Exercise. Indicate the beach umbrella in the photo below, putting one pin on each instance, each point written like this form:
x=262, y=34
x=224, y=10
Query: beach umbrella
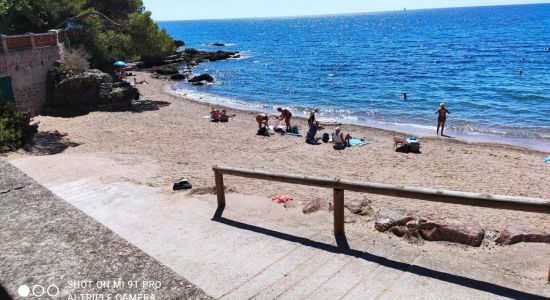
x=120, y=64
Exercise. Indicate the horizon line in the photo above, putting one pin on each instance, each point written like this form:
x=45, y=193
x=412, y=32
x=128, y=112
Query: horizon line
x=350, y=13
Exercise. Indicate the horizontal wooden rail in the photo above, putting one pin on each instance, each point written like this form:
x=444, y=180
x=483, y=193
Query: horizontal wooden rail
x=445, y=196
x=340, y=185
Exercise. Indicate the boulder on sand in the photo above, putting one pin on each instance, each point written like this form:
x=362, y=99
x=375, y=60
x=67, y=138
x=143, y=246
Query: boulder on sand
x=359, y=206
x=514, y=234
x=317, y=205
x=388, y=217
x=87, y=89
x=433, y=228
x=178, y=76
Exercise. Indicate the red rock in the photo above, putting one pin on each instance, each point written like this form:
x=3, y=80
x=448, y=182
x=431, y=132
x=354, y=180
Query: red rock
x=468, y=232
x=317, y=205
x=514, y=234
x=388, y=217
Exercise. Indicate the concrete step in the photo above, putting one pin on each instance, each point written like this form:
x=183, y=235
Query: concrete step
x=296, y=275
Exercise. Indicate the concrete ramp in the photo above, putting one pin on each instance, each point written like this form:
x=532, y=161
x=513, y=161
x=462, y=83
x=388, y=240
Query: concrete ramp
x=259, y=249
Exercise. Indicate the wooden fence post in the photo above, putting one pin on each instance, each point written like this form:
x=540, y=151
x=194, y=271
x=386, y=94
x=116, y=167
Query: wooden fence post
x=219, y=188
x=339, y=212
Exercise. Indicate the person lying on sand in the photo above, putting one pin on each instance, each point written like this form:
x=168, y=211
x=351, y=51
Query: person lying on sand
x=262, y=120
x=286, y=115
x=140, y=82
x=442, y=111
x=338, y=137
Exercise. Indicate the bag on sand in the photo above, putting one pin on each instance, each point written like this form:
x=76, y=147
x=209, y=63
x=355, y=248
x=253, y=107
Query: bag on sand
x=263, y=131
x=326, y=137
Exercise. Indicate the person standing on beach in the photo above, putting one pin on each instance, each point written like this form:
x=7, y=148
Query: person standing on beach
x=442, y=116
x=285, y=115
x=312, y=119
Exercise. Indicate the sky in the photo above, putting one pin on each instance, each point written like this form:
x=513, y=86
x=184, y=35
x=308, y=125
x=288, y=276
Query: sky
x=164, y=10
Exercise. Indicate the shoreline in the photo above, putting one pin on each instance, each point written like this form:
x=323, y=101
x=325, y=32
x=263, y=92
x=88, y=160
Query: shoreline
x=396, y=129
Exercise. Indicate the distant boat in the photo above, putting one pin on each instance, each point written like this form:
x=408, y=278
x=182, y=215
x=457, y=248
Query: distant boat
x=404, y=8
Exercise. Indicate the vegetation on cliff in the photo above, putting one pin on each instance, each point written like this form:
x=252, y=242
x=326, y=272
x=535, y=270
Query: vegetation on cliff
x=138, y=37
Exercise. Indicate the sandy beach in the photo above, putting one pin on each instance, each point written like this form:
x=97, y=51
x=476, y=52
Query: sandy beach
x=172, y=133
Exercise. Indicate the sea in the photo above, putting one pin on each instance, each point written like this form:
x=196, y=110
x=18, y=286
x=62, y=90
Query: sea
x=489, y=65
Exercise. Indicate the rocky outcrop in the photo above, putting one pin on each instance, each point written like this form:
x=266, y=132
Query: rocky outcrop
x=179, y=43
x=202, y=77
x=167, y=71
x=317, y=205
x=193, y=57
x=91, y=90
x=122, y=96
x=178, y=77
x=87, y=89
x=514, y=234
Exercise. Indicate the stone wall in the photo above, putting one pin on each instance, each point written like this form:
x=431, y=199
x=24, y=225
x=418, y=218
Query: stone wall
x=26, y=59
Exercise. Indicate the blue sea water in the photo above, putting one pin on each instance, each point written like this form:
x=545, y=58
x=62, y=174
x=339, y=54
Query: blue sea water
x=356, y=68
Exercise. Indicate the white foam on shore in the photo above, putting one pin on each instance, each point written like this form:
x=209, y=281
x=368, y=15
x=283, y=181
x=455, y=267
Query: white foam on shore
x=343, y=116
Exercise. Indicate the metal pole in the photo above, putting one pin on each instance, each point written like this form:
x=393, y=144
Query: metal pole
x=339, y=212
x=220, y=193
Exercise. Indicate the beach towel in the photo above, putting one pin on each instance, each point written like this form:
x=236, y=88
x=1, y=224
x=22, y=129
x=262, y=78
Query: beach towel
x=281, y=198
x=291, y=134
x=355, y=142
x=547, y=159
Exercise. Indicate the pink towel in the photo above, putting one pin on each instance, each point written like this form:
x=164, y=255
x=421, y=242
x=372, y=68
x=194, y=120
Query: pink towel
x=281, y=198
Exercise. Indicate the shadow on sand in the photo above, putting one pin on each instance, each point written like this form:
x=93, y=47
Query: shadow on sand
x=49, y=143
x=138, y=106
x=342, y=247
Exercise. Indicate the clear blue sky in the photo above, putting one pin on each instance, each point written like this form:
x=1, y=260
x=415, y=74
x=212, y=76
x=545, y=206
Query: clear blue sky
x=218, y=9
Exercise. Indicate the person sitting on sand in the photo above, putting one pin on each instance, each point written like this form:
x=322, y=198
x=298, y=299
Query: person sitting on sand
x=312, y=119
x=339, y=138
x=442, y=111
x=310, y=137
x=140, y=82
x=215, y=114
x=285, y=115
x=262, y=120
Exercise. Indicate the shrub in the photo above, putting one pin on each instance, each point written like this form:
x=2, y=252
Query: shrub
x=15, y=130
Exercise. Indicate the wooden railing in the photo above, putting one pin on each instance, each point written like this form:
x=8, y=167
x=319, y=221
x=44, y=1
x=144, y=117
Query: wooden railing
x=340, y=185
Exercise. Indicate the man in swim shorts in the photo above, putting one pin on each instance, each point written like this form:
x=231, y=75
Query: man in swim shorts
x=442, y=117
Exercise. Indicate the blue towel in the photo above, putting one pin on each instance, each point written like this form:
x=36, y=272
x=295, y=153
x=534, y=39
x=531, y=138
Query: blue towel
x=547, y=159
x=357, y=142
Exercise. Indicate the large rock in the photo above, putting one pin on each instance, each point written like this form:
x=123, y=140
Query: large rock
x=468, y=232
x=514, y=234
x=122, y=96
x=359, y=206
x=179, y=43
x=202, y=77
x=388, y=217
x=167, y=71
x=87, y=89
x=178, y=76
x=317, y=205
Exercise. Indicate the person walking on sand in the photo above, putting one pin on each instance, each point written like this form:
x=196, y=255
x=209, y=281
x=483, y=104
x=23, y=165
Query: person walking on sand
x=442, y=116
x=262, y=120
x=286, y=115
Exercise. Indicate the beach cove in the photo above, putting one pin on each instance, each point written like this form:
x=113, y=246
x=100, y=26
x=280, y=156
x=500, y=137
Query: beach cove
x=172, y=133
x=119, y=168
